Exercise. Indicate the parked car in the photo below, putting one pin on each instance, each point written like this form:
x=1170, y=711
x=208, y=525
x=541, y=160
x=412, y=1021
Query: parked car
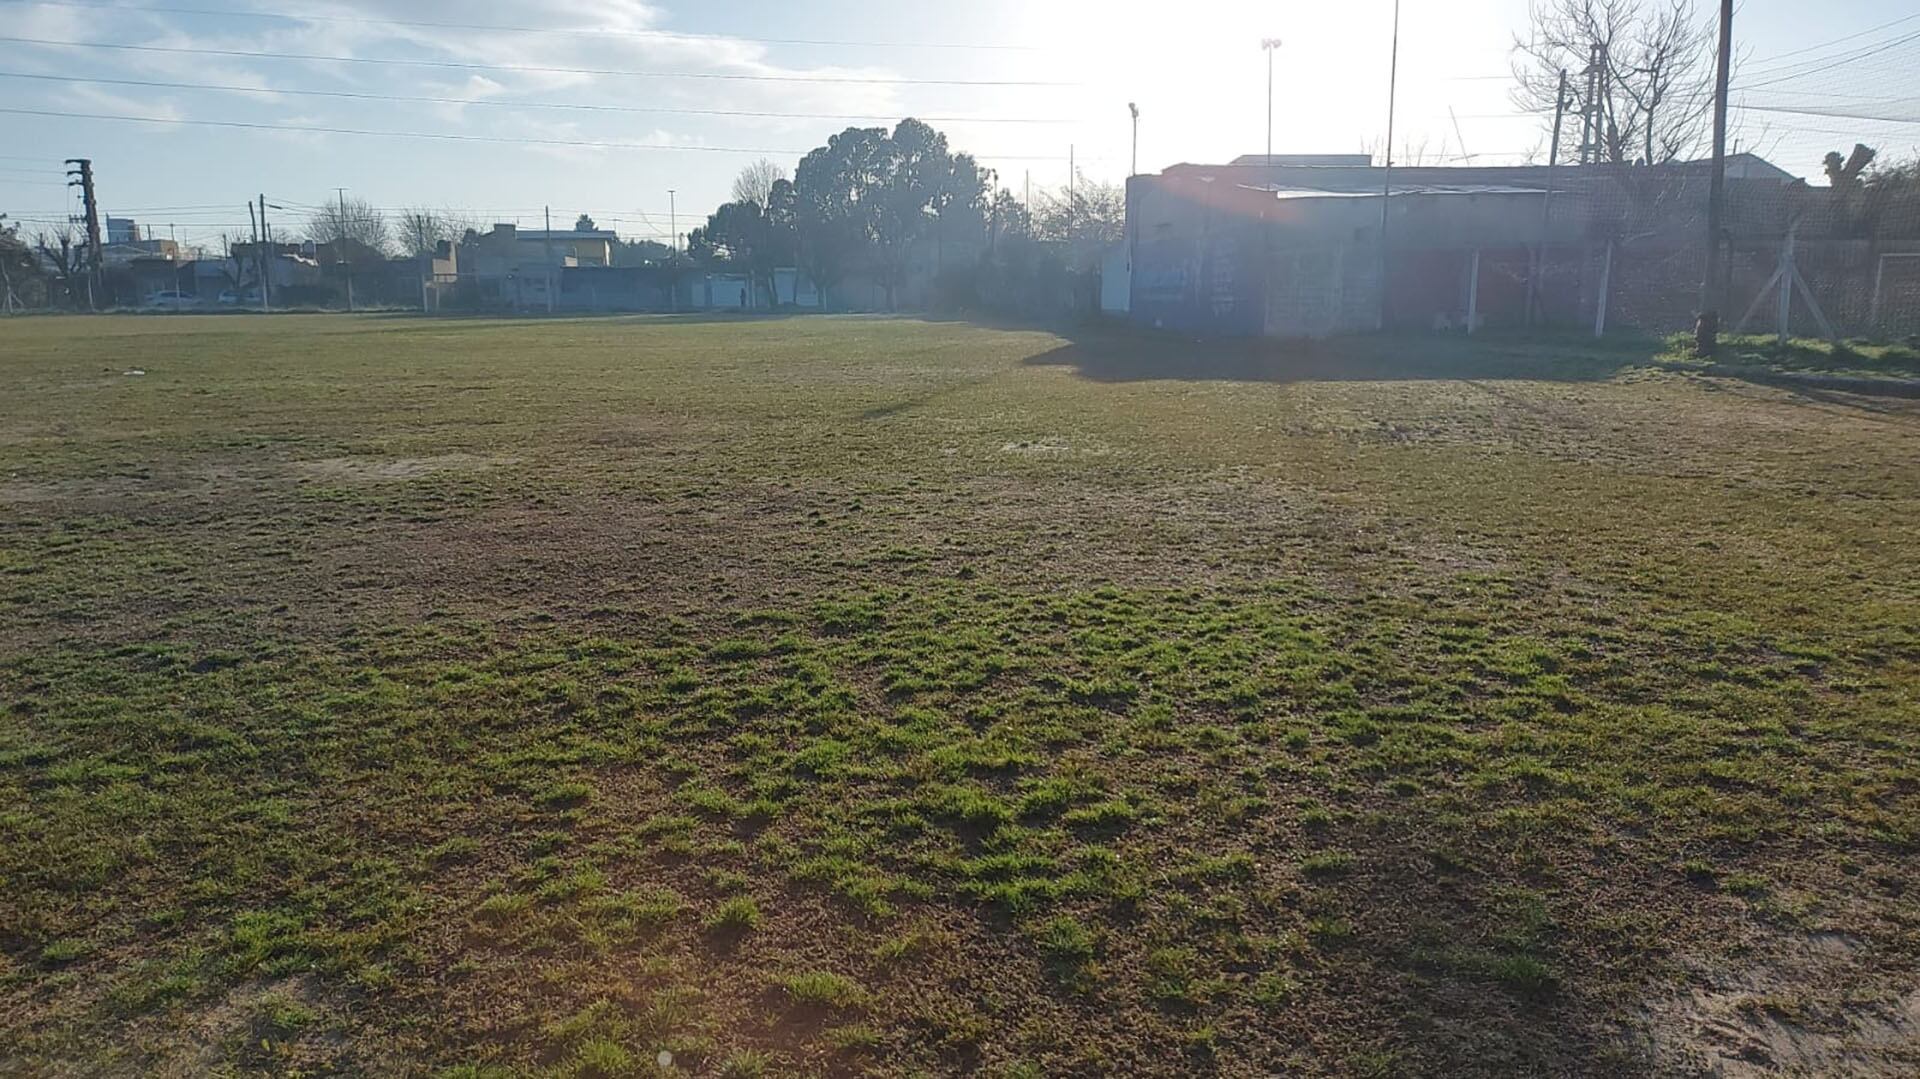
x=230, y=298
x=171, y=300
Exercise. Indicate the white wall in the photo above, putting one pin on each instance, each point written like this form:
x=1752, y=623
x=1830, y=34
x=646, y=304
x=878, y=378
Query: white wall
x=1116, y=283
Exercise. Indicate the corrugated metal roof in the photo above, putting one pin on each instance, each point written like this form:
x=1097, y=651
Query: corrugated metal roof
x=1289, y=193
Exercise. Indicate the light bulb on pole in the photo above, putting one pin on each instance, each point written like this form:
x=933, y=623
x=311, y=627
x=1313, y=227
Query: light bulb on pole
x=1134, y=169
x=1271, y=45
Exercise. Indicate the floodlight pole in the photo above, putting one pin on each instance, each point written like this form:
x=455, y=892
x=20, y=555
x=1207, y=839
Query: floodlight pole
x=1386, y=182
x=1134, y=168
x=1271, y=45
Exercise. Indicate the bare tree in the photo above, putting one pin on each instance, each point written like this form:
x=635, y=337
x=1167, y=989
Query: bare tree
x=233, y=266
x=1087, y=217
x=1648, y=63
x=352, y=222
x=419, y=230
x=756, y=181
x=1670, y=80
x=63, y=254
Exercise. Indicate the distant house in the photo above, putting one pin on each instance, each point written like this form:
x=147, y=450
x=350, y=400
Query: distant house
x=520, y=268
x=509, y=247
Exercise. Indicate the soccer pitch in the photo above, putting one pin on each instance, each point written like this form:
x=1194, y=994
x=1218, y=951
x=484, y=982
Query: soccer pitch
x=832, y=696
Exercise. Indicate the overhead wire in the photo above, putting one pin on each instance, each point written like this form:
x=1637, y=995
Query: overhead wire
x=469, y=65
x=449, y=136
x=594, y=31
x=356, y=95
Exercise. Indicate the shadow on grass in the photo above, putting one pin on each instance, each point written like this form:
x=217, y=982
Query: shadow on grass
x=1119, y=355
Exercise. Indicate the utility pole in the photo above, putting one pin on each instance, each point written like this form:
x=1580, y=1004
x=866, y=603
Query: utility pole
x=1593, y=111
x=1386, y=183
x=1534, y=311
x=253, y=228
x=82, y=173
x=1271, y=45
x=548, y=211
x=266, y=259
x=1707, y=332
x=673, y=248
x=340, y=246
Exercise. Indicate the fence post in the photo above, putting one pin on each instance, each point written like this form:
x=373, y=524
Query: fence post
x=1879, y=278
x=1606, y=285
x=1473, y=293
x=1785, y=319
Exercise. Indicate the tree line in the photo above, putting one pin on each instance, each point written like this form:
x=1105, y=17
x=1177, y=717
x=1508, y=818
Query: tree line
x=873, y=201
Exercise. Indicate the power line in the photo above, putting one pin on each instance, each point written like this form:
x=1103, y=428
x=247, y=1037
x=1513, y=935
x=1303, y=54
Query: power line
x=447, y=136
x=461, y=65
x=599, y=31
x=1827, y=64
x=1832, y=113
x=494, y=103
x=1765, y=60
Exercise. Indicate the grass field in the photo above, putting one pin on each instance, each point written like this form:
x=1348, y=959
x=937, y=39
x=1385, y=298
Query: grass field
x=843, y=696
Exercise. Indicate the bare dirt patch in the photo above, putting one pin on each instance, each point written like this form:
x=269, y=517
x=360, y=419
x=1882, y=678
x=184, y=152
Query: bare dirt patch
x=1809, y=1007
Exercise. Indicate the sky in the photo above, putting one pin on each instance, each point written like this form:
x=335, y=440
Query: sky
x=188, y=126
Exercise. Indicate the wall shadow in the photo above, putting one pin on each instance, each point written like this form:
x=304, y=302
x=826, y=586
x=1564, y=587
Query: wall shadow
x=1119, y=355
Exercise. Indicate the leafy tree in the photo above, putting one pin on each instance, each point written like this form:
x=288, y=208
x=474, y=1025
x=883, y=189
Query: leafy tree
x=640, y=253
x=1007, y=216
x=22, y=278
x=753, y=237
x=915, y=175
x=835, y=190
x=879, y=195
x=584, y=223
x=1891, y=194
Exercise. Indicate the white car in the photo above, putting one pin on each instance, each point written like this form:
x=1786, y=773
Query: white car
x=171, y=300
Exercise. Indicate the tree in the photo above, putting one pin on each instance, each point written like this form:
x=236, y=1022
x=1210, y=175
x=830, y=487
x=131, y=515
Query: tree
x=233, y=267
x=1891, y=194
x=22, y=278
x=584, y=223
x=1844, y=173
x=420, y=231
x=1652, y=64
x=1087, y=218
x=914, y=173
x=640, y=253
x=354, y=226
x=834, y=190
x=880, y=195
x=65, y=257
x=1008, y=217
x=755, y=182
x=757, y=239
